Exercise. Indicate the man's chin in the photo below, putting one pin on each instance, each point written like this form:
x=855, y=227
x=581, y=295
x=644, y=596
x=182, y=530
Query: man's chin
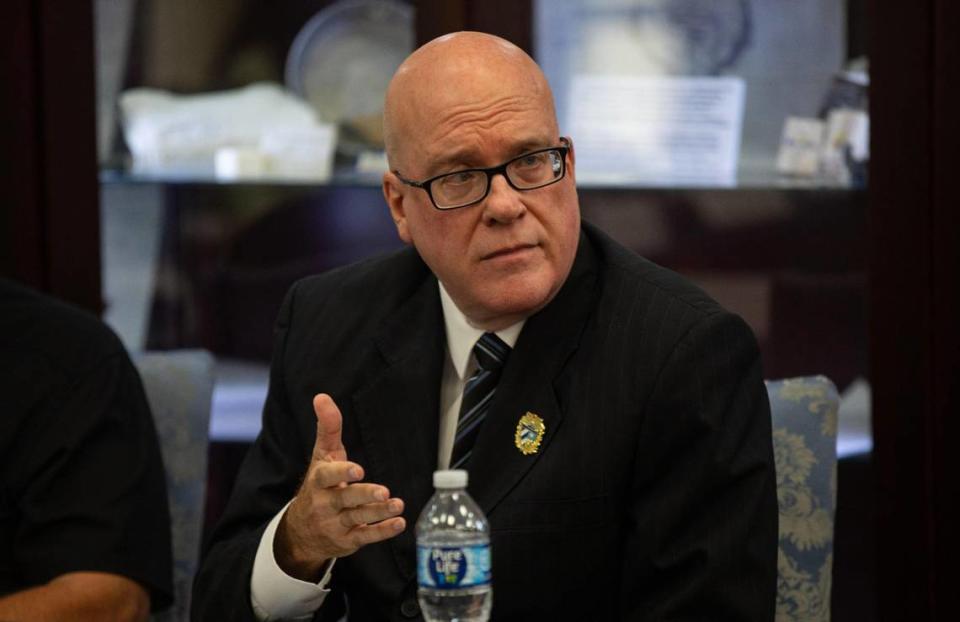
x=508, y=306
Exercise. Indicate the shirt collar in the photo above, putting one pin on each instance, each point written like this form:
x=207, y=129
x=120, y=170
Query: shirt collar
x=462, y=335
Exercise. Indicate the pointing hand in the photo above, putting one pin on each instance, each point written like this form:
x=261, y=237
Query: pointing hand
x=333, y=513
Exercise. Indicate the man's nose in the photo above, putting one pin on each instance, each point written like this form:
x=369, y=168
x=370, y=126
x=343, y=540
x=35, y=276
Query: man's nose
x=503, y=203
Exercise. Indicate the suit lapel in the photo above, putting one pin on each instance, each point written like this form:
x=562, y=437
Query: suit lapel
x=528, y=384
x=398, y=410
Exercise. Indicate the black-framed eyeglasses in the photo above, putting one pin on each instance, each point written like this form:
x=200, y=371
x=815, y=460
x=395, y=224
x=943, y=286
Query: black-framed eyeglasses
x=529, y=171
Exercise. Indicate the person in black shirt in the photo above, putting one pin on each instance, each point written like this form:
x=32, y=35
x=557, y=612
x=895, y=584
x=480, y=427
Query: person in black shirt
x=84, y=522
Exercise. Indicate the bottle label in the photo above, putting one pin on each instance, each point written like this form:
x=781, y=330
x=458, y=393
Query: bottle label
x=453, y=567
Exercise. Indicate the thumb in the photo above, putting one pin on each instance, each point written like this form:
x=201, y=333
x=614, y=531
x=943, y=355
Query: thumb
x=329, y=444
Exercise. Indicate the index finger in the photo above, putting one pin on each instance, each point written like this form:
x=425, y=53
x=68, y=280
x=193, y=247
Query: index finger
x=329, y=443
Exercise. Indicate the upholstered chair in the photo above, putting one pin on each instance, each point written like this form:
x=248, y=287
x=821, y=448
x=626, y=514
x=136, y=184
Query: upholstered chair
x=804, y=414
x=179, y=387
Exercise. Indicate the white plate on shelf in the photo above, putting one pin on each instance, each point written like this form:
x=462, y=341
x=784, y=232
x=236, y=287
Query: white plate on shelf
x=341, y=63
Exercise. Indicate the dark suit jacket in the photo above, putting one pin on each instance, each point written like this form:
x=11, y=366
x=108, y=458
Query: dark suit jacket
x=652, y=496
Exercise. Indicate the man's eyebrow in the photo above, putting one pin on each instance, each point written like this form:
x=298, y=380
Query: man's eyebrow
x=466, y=158
x=530, y=145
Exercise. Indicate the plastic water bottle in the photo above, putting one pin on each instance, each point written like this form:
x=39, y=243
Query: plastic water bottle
x=453, y=554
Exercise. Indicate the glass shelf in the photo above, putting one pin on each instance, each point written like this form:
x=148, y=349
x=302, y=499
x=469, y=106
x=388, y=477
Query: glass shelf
x=347, y=179
x=344, y=179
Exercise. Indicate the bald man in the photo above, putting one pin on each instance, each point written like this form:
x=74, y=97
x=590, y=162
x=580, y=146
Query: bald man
x=648, y=491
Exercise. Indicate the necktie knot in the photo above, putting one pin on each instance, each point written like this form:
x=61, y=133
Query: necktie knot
x=491, y=352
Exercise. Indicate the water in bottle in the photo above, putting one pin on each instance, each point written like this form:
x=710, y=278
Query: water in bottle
x=453, y=554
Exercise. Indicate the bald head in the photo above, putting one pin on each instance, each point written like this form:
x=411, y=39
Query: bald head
x=470, y=101
x=452, y=74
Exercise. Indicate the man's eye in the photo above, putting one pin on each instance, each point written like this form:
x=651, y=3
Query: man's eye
x=454, y=179
x=531, y=160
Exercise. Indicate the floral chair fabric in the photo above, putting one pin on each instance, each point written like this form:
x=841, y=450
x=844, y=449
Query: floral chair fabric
x=179, y=387
x=804, y=414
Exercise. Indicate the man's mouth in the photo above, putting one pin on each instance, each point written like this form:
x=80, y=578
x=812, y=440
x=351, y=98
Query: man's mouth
x=509, y=250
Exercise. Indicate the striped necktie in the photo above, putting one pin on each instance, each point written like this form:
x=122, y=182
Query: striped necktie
x=491, y=353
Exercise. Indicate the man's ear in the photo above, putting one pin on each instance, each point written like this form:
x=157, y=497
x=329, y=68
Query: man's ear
x=393, y=193
x=571, y=159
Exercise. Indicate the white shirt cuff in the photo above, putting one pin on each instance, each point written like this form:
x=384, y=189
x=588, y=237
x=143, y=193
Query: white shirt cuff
x=276, y=595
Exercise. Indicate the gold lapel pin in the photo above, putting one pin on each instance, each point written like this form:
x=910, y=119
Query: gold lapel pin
x=530, y=431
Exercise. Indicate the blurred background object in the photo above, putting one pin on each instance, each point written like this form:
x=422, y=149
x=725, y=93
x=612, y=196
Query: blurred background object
x=786, y=53
x=255, y=131
x=336, y=56
x=341, y=63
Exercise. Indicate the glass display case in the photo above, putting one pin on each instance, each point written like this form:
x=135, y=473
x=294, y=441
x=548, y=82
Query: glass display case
x=197, y=261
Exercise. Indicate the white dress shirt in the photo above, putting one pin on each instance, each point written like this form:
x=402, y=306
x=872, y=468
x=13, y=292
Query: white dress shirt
x=275, y=594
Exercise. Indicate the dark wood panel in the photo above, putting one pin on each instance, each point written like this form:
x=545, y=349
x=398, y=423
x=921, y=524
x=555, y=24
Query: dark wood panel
x=510, y=19
x=21, y=244
x=438, y=17
x=900, y=301
x=854, y=589
x=70, y=190
x=48, y=148
x=945, y=264
x=913, y=294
